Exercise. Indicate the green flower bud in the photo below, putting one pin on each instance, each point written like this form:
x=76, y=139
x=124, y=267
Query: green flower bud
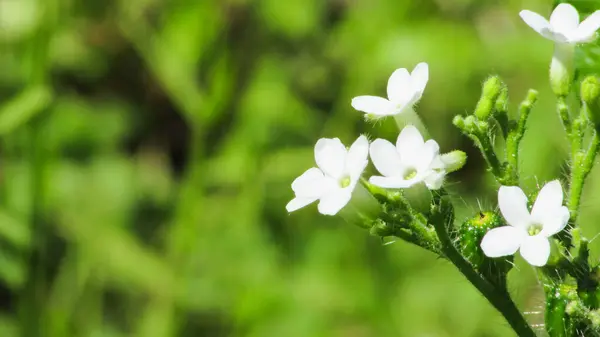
x=561, y=69
x=590, y=94
x=490, y=91
x=454, y=160
x=459, y=122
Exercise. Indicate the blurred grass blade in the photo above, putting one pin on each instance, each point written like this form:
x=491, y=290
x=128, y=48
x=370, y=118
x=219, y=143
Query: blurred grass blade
x=22, y=108
x=14, y=232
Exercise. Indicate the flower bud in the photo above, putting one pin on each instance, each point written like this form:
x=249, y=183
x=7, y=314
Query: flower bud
x=490, y=91
x=454, y=160
x=561, y=69
x=590, y=94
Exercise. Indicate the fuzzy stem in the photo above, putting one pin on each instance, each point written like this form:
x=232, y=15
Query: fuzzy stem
x=582, y=165
x=513, y=140
x=500, y=299
x=489, y=154
x=563, y=113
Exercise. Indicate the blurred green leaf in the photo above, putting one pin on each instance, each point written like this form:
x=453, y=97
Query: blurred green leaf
x=23, y=107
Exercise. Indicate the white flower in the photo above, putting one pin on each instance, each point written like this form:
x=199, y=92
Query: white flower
x=332, y=183
x=403, y=90
x=528, y=232
x=564, y=26
x=410, y=162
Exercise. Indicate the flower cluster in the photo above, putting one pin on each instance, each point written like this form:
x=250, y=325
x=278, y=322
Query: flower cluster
x=412, y=160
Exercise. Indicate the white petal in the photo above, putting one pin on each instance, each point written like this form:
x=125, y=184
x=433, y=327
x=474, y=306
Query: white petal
x=435, y=180
x=392, y=182
x=587, y=29
x=409, y=143
x=334, y=201
x=418, y=79
x=356, y=160
x=298, y=203
x=513, y=206
x=309, y=184
x=536, y=250
x=330, y=155
x=502, y=241
x=385, y=158
x=537, y=22
x=373, y=105
x=555, y=222
x=426, y=155
x=399, y=86
x=564, y=19
x=548, y=200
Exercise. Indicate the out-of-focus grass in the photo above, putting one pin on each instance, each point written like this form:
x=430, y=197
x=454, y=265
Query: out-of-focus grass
x=148, y=148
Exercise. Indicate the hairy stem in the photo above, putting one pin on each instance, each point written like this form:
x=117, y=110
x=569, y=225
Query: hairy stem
x=582, y=165
x=513, y=140
x=563, y=113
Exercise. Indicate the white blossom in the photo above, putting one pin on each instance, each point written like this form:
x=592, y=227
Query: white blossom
x=527, y=232
x=333, y=181
x=563, y=26
x=404, y=89
x=410, y=162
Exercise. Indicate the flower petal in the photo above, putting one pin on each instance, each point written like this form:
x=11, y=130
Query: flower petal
x=513, y=206
x=373, y=105
x=587, y=29
x=309, y=184
x=399, y=86
x=356, y=160
x=332, y=202
x=418, y=80
x=425, y=156
x=409, y=143
x=536, y=250
x=330, y=155
x=385, y=158
x=564, y=19
x=549, y=199
x=298, y=203
x=502, y=241
x=537, y=22
x=555, y=222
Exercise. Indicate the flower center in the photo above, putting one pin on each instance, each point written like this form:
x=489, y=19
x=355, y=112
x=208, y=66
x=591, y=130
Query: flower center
x=534, y=229
x=410, y=173
x=345, y=182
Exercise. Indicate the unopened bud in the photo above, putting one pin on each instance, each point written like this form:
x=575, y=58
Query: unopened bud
x=590, y=94
x=454, y=160
x=490, y=91
x=561, y=69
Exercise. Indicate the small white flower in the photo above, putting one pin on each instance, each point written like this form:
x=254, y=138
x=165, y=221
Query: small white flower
x=528, y=232
x=404, y=90
x=410, y=162
x=564, y=26
x=332, y=183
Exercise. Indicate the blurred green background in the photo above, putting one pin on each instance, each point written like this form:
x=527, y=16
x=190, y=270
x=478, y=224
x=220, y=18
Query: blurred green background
x=147, y=149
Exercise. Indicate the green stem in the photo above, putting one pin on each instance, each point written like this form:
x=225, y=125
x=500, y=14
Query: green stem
x=563, y=113
x=582, y=165
x=489, y=154
x=513, y=140
x=500, y=299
